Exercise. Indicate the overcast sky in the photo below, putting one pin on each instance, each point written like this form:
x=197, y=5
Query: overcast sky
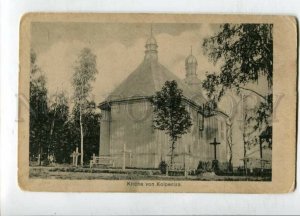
x=119, y=49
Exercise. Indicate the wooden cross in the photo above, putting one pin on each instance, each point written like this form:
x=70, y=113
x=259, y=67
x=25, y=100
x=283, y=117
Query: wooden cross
x=215, y=143
x=74, y=156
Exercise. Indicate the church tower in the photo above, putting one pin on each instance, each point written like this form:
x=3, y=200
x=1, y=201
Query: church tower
x=191, y=77
x=151, y=48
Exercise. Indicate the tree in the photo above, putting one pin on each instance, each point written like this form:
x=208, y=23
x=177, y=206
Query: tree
x=91, y=121
x=85, y=71
x=246, y=54
x=91, y=128
x=39, y=126
x=229, y=141
x=249, y=132
x=58, y=120
x=170, y=114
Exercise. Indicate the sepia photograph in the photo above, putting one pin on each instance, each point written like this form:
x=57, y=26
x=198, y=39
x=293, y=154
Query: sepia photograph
x=151, y=103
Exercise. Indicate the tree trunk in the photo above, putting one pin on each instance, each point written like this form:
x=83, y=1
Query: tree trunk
x=81, y=137
x=40, y=156
x=50, y=138
x=39, y=153
x=229, y=142
x=230, y=167
x=245, y=117
x=245, y=153
x=172, y=153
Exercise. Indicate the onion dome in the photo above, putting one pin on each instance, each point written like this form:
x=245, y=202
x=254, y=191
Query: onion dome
x=191, y=65
x=191, y=60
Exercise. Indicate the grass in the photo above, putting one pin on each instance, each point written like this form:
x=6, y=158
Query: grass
x=76, y=173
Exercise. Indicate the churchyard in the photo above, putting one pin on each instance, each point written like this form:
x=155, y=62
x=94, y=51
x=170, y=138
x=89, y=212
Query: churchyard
x=155, y=124
x=87, y=173
x=104, y=168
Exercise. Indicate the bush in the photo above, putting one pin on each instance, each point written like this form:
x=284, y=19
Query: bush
x=207, y=166
x=240, y=171
x=163, y=167
x=204, y=167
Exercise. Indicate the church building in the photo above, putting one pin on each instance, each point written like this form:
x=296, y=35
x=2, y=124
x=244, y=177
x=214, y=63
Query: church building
x=127, y=134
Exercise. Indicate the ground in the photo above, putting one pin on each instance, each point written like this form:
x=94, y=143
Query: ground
x=129, y=174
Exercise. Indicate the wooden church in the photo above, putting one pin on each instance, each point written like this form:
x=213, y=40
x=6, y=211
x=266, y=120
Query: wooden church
x=127, y=135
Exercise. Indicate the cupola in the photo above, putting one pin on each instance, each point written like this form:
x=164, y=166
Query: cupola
x=191, y=65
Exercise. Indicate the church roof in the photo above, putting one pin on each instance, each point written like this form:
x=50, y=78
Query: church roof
x=148, y=78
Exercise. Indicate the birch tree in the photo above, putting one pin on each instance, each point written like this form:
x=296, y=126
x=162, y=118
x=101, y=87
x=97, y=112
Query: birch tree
x=85, y=71
x=91, y=128
x=245, y=52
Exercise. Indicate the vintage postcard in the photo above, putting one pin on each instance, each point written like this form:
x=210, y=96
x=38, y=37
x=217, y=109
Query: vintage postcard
x=157, y=103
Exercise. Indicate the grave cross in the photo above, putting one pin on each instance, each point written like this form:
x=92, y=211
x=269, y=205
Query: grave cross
x=215, y=143
x=74, y=156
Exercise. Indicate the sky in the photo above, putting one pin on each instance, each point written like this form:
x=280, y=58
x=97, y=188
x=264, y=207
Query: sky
x=119, y=48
